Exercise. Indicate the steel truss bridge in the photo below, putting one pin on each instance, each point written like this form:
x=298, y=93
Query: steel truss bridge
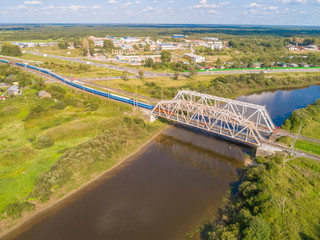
x=240, y=121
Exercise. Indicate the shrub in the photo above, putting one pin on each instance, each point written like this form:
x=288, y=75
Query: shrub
x=60, y=105
x=44, y=142
x=15, y=210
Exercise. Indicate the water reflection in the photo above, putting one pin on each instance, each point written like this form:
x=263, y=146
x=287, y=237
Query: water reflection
x=281, y=103
x=201, y=152
x=160, y=193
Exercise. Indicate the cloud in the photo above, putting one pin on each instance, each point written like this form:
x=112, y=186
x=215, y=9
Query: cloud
x=49, y=7
x=204, y=4
x=171, y=2
x=75, y=8
x=138, y=2
x=212, y=11
x=294, y=1
x=256, y=6
x=127, y=4
x=148, y=9
x=34, y=2
x=112, y=2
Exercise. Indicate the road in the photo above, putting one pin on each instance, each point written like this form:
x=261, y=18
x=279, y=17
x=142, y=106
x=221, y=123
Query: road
x=154, y=74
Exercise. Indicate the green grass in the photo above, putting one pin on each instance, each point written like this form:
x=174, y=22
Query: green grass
x=275, y=201
x=308, y=146
x=20, y=161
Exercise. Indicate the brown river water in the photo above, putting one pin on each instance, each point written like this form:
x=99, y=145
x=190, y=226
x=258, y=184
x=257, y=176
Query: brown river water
x=161, y=192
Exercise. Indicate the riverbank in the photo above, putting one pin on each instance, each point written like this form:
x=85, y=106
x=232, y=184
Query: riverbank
x=62, y=196
x=272, y=202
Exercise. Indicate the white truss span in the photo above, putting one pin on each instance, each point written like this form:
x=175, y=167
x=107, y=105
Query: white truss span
x=234, y=119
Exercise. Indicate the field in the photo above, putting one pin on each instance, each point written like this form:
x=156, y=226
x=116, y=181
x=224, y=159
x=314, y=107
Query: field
x=54, y=50
x=72, y=69
x=20, y=161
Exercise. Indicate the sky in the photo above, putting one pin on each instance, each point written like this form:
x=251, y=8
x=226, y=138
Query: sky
x=269, y=12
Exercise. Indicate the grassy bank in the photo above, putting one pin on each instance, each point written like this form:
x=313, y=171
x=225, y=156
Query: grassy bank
x=49, y=148
x=273, y=202
x=310, y=119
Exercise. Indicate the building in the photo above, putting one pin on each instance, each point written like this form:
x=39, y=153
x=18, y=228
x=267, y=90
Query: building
x=13, y=90
x=210, y=39
x=194, y=57
x=4, y=85
x=178, y=36
x=217, y=45
x=293, y=65
x=44, y=94
x=169, y=46
x=3, y=97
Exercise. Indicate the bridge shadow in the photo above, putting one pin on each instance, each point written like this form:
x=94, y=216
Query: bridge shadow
x=209, y=155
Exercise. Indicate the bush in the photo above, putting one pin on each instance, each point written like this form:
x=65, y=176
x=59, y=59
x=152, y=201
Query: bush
x=44, y=142
x=15, y=210
x=60, y=105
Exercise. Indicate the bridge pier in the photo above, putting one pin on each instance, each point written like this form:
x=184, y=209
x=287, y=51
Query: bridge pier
x=266, y=150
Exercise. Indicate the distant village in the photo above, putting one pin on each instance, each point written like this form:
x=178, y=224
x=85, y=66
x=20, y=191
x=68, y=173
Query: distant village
x=136, y=50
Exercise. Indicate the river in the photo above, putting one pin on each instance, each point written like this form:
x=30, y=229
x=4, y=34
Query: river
x=281, y=103
x=163, y=191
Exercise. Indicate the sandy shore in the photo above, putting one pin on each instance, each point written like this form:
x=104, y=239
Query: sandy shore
x=43, y=210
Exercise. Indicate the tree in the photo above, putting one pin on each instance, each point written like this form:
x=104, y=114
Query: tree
x=63, y=45
x=176, y=76
x=192, y=71
x=218, y=63
x=108, y=44
x=84, y=51
x=165, y=57
x=141, y=74
x=125, y=75
x=9, y=49
x=149, y=62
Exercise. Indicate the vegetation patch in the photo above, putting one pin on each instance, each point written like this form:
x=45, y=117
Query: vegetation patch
x=273, y=202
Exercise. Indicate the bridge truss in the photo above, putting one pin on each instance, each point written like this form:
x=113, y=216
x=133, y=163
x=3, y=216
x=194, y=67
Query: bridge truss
x=241, y=121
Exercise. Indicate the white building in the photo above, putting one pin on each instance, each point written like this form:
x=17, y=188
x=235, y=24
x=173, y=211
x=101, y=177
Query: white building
x=217, y=45
x=169, y=46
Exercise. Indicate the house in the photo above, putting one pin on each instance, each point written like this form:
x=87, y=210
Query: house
x=293, y=65
x=169, y=46
x=44, y=94
x=256, y=65
x=194, y=57
x=303, y=65
x=4, y=85
x=210, y=67
x=3, y=97
x=13, y=90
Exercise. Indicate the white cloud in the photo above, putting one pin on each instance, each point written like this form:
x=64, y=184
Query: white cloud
x=204, y=4
x=294, y=1
x=75, y=8
x=262, y=7
x=171, y=2
x=49, y=7
x=127, y=4
x=138, y=2
x=212, y=11
x=34, y=2
x=112, y=2
x=155, y=1
x=148, y=9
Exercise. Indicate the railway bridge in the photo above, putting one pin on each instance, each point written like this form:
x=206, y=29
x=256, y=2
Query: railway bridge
x=243, y=122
